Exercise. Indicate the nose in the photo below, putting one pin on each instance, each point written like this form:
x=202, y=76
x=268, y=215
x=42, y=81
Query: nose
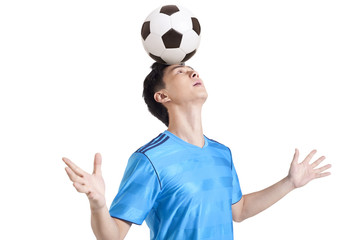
x=194, y=74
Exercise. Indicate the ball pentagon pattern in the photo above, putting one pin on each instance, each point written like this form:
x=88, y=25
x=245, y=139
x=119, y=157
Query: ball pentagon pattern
x=171, y=34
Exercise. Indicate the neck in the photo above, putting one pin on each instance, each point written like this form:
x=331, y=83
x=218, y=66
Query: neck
x=186, y=124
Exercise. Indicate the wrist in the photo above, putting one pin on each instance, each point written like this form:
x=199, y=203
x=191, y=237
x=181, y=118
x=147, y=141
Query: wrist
x=289, y=183
x=97, y=209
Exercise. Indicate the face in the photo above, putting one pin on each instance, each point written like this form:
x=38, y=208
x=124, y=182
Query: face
x=182, y=86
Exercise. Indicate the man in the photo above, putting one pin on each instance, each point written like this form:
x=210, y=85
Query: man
x=182, y=183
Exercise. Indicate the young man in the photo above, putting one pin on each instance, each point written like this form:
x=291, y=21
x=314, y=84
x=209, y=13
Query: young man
x=182, y=183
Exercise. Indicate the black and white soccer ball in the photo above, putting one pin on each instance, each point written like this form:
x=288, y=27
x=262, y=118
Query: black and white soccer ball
x=171, y=34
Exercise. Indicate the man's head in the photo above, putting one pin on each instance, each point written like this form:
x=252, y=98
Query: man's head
x=172, y=85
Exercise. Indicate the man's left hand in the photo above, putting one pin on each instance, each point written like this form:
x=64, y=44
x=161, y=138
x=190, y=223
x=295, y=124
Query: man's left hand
x=302, y=173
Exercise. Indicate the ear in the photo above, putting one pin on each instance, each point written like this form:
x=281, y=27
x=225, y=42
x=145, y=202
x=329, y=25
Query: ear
x=162, y=97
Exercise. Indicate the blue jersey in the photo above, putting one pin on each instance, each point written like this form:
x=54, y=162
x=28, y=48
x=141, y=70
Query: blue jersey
x=182, y=191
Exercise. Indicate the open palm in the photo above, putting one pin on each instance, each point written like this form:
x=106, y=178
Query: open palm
x=92, y=185
x=302, y=173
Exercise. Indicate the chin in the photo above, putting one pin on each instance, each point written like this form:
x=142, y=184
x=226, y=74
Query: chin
x=204, y=97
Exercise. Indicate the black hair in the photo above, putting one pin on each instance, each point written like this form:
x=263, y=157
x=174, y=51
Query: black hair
x=153, y=83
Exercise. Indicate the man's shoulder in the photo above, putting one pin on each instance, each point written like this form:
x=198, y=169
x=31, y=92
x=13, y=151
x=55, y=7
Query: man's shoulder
x=217, y=144
x=156, y=145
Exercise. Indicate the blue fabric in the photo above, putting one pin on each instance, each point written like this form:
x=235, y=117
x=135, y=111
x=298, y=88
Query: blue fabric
x=182, y=191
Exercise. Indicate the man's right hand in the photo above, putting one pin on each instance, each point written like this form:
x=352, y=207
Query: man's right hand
x=92, y=185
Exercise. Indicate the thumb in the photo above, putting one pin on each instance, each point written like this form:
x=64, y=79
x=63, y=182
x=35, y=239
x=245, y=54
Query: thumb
x=296, y=156
x=97, y=163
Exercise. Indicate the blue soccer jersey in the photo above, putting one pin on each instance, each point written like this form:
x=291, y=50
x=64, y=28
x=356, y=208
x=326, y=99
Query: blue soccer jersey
x=182, y=191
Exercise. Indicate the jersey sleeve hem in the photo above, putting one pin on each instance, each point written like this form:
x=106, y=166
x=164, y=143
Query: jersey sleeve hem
x=237, y=200
x=137, y=222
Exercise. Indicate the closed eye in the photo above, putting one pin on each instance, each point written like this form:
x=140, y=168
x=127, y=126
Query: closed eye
x=182, y=69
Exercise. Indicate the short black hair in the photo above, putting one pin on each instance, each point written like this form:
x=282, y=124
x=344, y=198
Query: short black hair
x=153, y=83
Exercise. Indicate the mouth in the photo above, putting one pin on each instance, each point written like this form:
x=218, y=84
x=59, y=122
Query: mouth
x=197, y=83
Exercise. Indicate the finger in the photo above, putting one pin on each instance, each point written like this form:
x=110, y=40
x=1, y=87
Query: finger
x=97, y=163
x=317, y=162
x=80, y=188
x=320, y=170
x=296, y=156
x=73, y=167
x=325, y=174
x=309, y=156
x=73, y=177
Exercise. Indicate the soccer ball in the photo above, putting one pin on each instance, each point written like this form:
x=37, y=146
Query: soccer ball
x=171, y=34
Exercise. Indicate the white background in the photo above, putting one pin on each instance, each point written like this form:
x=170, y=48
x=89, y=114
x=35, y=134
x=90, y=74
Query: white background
x=280, y=75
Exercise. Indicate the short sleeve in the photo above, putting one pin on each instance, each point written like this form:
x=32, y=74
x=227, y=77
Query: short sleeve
x=138, y=190
x=236, y=191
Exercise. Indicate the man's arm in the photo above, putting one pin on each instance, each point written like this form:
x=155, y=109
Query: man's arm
x=93, y=185
x=106, y=227
x=299, y=175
